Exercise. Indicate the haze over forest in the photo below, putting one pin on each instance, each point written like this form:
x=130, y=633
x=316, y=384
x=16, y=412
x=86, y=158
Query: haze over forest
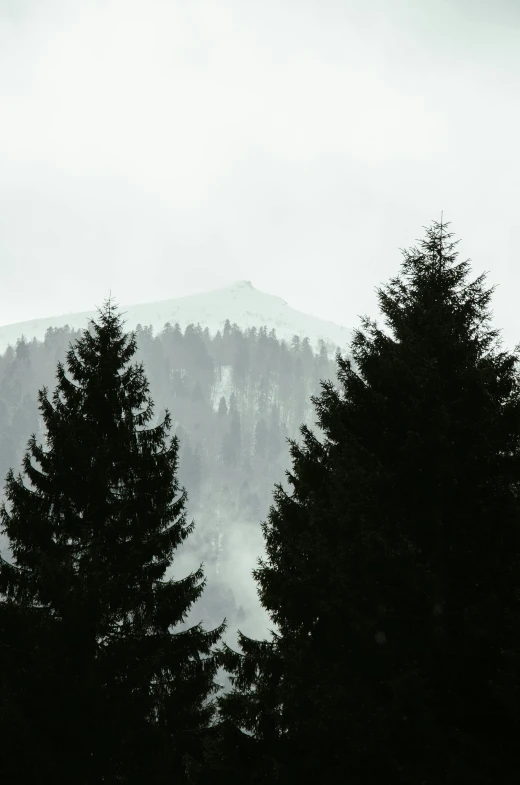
x=268, y=193
x=233, y=404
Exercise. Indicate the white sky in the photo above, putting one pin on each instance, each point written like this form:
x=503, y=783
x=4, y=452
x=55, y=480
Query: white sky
x=163, y=148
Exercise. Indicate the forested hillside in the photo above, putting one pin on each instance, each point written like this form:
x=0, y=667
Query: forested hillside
x=389, y=572
x=234, y=397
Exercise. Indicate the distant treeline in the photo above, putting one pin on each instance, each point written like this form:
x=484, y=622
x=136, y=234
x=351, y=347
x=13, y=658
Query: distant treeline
x=233, y=444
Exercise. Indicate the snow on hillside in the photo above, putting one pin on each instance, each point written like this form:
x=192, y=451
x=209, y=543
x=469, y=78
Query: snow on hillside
x=224, y=387
x=241, y=303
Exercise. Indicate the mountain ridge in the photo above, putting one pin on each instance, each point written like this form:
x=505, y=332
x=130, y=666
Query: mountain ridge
x=239, y=302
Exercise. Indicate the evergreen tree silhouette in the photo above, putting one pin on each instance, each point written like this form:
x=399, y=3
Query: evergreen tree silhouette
x=96, y=684
x=22, y=350
x=261, y=441
x=232, y=439
x=393, y=567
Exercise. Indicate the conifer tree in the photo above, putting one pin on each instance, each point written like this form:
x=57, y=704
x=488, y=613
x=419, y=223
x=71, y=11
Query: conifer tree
x=99, y=686
x=393, y=567
x=232, y=440
x=261, y=440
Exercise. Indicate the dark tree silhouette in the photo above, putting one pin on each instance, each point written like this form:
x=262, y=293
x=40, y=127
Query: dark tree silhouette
x=393, y=568
x=96, y=684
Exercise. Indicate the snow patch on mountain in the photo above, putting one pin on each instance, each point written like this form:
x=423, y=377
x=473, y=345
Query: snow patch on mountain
x=241, y=303
x=224, y=387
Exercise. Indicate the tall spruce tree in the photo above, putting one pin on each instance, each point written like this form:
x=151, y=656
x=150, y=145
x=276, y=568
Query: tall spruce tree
x=393, y=568
x=97, y=686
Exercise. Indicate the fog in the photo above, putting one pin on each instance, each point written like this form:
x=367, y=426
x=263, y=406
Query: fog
x=159, y=149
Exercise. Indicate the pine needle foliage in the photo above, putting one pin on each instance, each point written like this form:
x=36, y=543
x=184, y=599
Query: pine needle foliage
x=393, y=566
x=102, y=686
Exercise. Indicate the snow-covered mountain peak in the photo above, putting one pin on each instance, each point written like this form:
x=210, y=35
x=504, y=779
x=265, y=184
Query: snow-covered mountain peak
x=246, y=290
x=240, y=302
x=243, y=285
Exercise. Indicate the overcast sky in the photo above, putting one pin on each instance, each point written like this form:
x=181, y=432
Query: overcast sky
x=163, y=148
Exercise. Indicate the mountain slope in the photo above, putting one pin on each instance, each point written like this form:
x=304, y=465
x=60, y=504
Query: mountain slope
x=240, y=303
